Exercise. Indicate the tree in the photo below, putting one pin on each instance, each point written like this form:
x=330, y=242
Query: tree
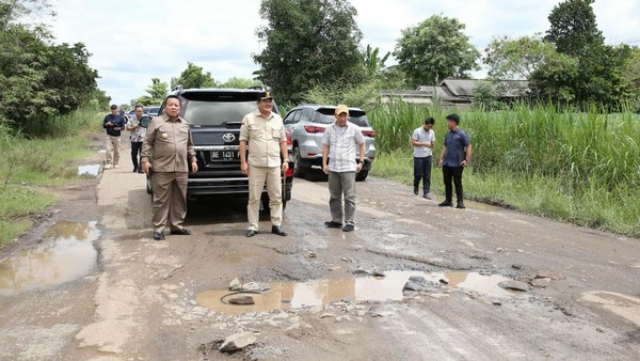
x=573, y=27
x=591, y=72
x=309, y=43
x=241, y=83
x=373, y=64
x=37, y=77
x=157, y=92
x=517, y=59
x=554, y=81
x=194, y=77
x=434, y=50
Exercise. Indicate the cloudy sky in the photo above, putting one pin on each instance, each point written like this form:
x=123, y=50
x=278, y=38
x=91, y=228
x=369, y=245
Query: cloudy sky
x=135, y=40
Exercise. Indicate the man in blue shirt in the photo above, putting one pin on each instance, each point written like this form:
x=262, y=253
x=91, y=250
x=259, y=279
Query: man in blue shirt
x=455, y=156
x=114, y=124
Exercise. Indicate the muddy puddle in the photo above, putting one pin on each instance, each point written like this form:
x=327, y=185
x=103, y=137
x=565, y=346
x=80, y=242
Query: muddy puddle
x=323, y=292
x=65, y=254
x=89, y=170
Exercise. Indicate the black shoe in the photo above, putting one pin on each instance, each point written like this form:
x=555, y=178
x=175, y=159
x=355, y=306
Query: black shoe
x=333, y=224
x=416, y=190
x=140, y=170
x=460, y=205
x=348, y=228
x=445, y=204
x=182, y=232
x=135, y=170
x=278, y=231
x=158, y=236
x=251, y=233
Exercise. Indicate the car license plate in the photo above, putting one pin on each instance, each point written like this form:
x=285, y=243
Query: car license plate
x=225, y=155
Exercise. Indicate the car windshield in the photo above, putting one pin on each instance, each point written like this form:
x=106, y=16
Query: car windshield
x=154, y=110
x=326, y=116
x=216, y=109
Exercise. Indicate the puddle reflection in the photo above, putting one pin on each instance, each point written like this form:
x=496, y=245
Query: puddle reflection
x=323, y=292
x=66, y=254
x=89, y=170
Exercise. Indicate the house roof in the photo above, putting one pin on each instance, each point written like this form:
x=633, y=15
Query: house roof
x=465, y=87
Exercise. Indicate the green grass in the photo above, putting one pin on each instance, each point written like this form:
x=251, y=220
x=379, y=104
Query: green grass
x=29, y=163
x=577, y=167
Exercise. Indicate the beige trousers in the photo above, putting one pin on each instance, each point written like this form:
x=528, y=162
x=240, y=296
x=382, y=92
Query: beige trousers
x=169, y=200
x=258, y=176
x=113, y=150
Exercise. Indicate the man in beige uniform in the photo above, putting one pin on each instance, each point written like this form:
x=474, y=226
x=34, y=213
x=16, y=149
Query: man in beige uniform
x=264, y=132
x=168, y=142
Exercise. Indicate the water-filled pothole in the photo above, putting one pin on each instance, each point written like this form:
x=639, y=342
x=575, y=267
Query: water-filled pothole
x=66, y=254
x=323, y=292
x=89, y=170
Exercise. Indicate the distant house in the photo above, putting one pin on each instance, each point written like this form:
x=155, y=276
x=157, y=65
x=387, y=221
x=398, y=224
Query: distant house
x=457, y=93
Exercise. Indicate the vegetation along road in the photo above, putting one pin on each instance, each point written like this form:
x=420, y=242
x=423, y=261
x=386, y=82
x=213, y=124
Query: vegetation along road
x=543, y=264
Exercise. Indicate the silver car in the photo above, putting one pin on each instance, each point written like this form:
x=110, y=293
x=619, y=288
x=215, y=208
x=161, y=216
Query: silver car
x=307, y=124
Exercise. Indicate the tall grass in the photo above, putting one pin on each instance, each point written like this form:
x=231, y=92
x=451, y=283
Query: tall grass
x=581, y=167
x=36, y=157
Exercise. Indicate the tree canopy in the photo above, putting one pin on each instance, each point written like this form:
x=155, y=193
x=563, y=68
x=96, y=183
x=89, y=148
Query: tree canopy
x=309, y=43
x=39, y=78
x=573, y=28
x=194, y=77
x=517, y=59
x=434, y=50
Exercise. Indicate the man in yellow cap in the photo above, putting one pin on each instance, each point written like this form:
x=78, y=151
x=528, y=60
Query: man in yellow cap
x=263, y=135
x=339, y=162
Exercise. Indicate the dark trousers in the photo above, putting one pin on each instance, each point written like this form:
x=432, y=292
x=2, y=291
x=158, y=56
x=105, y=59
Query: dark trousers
x=422, y=170
x=453, y=174
x=136, y=149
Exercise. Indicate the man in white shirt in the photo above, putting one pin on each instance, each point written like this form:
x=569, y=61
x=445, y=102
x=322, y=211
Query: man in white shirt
x=340, y=140
x=423, y=140
x=137, y=134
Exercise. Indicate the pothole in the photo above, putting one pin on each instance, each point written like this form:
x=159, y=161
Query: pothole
x=627, y=307
x=377, y=289
x=66, y=254
x=89, y=170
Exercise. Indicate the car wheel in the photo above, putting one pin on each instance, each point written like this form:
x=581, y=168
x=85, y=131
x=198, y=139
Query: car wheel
x=362, y=176
x=298, y=170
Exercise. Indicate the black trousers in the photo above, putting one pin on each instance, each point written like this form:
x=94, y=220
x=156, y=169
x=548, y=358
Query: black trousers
x=422, y=171
x=136, y=150
x=453, y=174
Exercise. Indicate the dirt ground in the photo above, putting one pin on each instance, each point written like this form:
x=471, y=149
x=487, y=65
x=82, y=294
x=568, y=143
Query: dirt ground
x=129, y=297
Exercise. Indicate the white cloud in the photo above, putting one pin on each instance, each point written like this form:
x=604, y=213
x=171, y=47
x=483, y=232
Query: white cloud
x=135, y=40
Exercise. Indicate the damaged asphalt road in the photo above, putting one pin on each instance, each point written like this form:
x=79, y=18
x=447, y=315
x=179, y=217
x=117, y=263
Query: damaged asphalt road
x=414, y=282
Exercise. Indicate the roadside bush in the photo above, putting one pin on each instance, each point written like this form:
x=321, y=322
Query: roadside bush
x=580, y=167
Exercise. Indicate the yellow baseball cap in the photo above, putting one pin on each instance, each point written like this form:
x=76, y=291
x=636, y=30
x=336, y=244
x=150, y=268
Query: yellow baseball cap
x=342, y=109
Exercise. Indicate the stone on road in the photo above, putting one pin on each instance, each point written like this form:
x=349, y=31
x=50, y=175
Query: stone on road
x=238, y=341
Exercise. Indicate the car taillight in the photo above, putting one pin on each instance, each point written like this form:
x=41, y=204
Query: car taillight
x=369, y=133
x=288, y=133
x=313, y=129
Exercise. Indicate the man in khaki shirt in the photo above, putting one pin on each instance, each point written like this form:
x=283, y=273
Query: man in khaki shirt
x=263, y=131
x=169, y=145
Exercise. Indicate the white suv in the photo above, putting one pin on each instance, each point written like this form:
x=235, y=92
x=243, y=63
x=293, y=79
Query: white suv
x=307, y=124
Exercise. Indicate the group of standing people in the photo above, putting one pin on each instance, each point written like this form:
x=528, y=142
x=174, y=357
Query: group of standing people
x=114, y=124
x=454, y=158
x=166, y=147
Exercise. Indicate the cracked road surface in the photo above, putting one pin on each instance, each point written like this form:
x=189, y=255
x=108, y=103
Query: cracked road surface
x=131, y=298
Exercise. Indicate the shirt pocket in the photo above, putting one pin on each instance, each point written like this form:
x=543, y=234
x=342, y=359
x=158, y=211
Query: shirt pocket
x=257, y=131
x=275, y=133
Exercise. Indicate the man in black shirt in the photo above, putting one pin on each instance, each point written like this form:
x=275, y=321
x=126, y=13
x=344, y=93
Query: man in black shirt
x=113, y=123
